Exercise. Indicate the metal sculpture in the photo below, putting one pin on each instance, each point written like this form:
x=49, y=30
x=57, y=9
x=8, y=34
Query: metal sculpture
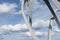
x=29, y=26
x=53, y=13
x=50, y=28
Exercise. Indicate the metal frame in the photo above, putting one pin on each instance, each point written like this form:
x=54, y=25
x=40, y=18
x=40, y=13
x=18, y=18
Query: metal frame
x=29, y=24
x=53, y=13
x=50, y=29
x=26, y=21
x=30, y=12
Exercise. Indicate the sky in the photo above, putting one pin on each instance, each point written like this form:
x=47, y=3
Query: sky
x=13, y=27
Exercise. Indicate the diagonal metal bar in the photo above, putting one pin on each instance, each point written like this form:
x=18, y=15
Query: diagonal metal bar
x=59, y=0
x=50, y=28
x=49, y=31
x=27, y=23
x=30, y=12
x=25, y=1
x=29, y=8
x=53, y=13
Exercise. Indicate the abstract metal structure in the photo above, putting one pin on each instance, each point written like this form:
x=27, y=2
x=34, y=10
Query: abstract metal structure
x=30, y=12
x=53, y=13
x=29, y=8
x=57, y=4
x=50, y=29
x=29, y=23
x=29, y=26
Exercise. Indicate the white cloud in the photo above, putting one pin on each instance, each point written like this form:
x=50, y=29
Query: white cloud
x=35, y=5
x=44, y=34
x=14, y=28
x=57, y=29
x=20, y=12
x=37, y=23
x=37, y=33
x=7, y=7
x=17, y=27
x=41, y=23
x=10, y=7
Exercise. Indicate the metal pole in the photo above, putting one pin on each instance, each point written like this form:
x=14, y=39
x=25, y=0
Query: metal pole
x=30, y=12
x=50, y=29
x=27, y=23
x=53, y=13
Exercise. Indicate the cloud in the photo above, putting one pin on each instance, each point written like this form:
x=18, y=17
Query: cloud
x=41, y=23
x=37, y=23
x=37, y=5
x=37, y=33
x=18, y=27
x=57, y=29
x=14, y=28
x=7, y=7
x=11, y=7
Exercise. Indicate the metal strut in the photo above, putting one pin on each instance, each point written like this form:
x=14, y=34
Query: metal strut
x=27, y=22
x=53, y=13
x=30, y=12
x=50, y=29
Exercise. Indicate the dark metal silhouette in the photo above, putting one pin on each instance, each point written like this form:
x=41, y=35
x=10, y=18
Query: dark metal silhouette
x=52, y=11
x=26, y=1
x=59, y=0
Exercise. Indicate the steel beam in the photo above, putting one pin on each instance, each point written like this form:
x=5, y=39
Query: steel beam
x=53, y=13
